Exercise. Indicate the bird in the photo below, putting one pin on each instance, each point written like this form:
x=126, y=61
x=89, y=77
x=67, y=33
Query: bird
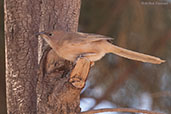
x=72, y=45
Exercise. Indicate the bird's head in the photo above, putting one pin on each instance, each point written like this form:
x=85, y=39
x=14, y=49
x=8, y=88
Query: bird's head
x=51, y=37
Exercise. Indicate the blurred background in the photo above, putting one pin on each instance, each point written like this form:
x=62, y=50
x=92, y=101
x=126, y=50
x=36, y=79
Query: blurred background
x=114, y=82
x=139, y=25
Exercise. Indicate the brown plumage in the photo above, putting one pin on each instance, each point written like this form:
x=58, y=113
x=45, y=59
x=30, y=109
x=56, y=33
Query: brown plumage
x=70, y=45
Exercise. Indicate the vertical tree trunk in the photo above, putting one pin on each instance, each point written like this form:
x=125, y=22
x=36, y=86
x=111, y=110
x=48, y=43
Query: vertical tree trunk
x=23, y=19
x=21, y=23
x=55, y=94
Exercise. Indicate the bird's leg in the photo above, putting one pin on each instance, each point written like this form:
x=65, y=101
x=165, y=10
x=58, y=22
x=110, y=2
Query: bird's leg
x=86, y=55
x=77, y=58
x=91, y=64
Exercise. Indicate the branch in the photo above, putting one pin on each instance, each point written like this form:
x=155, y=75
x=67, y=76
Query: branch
x=80, y=72
x=120, y=110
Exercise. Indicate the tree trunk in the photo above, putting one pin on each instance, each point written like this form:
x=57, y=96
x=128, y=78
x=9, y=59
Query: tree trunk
x=21, y=23
x=55, y=94
x=23, y=19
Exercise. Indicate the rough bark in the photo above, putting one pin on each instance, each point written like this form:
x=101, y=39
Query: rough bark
x=56, y=95
x=21, y=24
x=23, y=19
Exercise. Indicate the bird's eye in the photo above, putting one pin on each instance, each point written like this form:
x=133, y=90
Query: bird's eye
x=50, y=34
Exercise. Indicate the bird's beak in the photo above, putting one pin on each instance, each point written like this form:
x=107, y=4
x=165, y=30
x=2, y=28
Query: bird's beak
x=40, y=33
x=46, y=33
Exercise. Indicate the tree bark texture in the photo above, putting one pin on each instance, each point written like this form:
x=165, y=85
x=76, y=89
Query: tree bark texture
x=56, y=95
x=21, y=23
x=23, y=19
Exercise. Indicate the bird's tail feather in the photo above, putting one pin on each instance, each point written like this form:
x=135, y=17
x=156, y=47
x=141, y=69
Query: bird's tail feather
x=134, y=55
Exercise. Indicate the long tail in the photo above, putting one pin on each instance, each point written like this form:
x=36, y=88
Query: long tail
x=134, y=55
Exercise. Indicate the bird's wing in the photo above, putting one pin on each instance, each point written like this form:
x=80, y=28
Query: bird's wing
x=89, y=37
x=78, y=38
